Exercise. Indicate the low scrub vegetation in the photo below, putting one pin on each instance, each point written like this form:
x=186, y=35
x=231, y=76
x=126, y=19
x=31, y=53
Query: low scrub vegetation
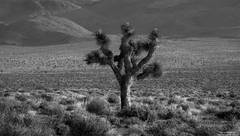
x=198, y=94
x=113, y=98
x=39, y=117
x=98, y=106
x=88, y=125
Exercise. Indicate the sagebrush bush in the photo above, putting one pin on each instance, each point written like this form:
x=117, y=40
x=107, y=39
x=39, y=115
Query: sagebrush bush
x=47, y=97
x=170, y=127
x=144, y=113
x=148, y=100
x=51, y=109
x=62, y=130
x=98, y=106
x=20, y=97
x=211, y=110
x=114, y=120
x=229, y=114
x=131, y=121
x=87, y=125
x=206, y=131
x=14, y=121
x=113, y=98
x=164, y=112
x=13, y=105
x=66, y=101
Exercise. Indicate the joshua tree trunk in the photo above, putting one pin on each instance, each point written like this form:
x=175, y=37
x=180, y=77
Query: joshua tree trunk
x=125, y=87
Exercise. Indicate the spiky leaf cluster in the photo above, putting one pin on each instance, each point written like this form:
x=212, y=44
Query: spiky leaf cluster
x=127, y=29
x=140, y=46
x=144, y=46
x=102, y=39
x=153, y=70
x=154, y=34
x=95, y=57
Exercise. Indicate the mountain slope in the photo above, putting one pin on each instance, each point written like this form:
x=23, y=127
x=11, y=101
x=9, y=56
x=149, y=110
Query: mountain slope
x=42, y=30
x=14, y=10
x=32, y=22
x=175, y=18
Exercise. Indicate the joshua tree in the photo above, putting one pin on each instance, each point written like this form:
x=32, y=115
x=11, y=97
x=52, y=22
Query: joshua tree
x=130, y=64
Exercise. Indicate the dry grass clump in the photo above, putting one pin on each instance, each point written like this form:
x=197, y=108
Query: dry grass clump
x=51, y=109
x=206, y=131
x=144, y=113
x=67, y=101
x=164, y=113
x=87, y=125
x=21, y=97
x=182, y=127
x=98, y=106
x=47, y=97
x=229, y=114
x=15, y=121
x=170, y=127
x=113, y=98
x=13, y=105
x=50, y=120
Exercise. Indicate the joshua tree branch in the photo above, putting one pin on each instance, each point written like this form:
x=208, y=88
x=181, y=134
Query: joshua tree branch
x=116, y=71
x=142, y=76
x=145, y=60
x=153, y=69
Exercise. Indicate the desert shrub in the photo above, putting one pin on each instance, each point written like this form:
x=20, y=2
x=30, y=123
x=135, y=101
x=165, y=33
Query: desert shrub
x=70, y=108
x=148, y=100
x=144, y=113
x=201, y=101
x=98, y=106
x=229, y=114
x=112, y=132
x=66, y=101
x=114, y=120
x=20, y=97
x=135, y=131
x=230, y=125
x=10, y=130
x=13, y=105
x=164, y=112
x=51, y=109
x=175, y=100
x=221, y=94
x=168, y=112
x=62, y=130
x=87, y=125
x=184, y=106
x=205, y=131
x=211, y=110
x=17, y=123
x=47, y=97
x=131, y=121
x=113, y=98
x=235, y=104
x=171, y=127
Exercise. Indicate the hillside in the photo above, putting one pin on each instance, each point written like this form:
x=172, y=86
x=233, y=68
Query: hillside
x=44, y=22
x=14, y=10
x=175, y=18
x=33, y=22
x=42, y=30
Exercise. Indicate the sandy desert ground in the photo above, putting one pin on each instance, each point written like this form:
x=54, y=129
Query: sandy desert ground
x=198, y=94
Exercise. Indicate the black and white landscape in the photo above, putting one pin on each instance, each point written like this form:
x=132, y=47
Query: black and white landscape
x=119, y=68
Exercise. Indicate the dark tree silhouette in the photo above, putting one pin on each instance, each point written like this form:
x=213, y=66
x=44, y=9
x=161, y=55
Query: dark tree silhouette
x=130, y=64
